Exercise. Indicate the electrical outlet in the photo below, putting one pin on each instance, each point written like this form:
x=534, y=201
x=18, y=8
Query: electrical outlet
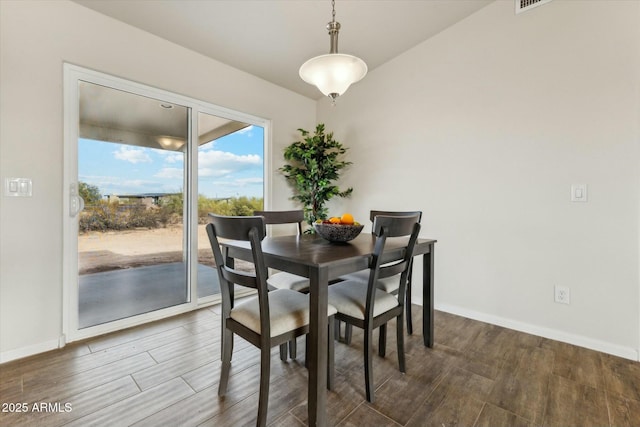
x=562, y=294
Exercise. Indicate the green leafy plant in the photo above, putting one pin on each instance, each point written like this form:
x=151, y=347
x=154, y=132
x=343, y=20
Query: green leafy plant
x=314, y=164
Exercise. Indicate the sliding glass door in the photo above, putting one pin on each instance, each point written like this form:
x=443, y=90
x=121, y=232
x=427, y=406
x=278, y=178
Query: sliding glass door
x=132, y=256
x=144, y=167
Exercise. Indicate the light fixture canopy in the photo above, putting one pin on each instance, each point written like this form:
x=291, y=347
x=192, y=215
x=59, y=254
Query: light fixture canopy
x=334, y=72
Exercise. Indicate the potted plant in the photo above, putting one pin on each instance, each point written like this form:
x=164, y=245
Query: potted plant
x=314, y=164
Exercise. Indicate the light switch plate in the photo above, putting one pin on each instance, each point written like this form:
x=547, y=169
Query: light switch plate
x=18, y=187
x=579, y=192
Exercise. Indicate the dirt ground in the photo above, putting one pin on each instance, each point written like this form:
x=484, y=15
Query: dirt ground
x=113, y=250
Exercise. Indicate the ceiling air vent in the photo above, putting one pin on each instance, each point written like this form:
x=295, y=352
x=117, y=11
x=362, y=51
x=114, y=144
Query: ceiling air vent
x=524, y=5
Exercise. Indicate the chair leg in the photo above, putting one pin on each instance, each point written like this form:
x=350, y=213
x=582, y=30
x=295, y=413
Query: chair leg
x=382, y=340
x=306, y=351
x=227, y=339
x=347, y=332
x=283, y=352
x=408, y=301
x=400, y=340
x=293, y=348
x=348, y=329
x=368, y=364
x=331, y=355
x=222, y=334
x=263, y=399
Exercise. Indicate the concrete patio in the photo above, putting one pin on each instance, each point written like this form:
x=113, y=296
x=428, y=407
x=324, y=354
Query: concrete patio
x=118, y=294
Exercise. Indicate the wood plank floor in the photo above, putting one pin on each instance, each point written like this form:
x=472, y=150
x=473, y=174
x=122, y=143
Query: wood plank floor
x=166, y=374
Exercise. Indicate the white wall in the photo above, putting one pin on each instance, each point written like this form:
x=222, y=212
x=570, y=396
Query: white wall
x=36, y=37
x=484, y=128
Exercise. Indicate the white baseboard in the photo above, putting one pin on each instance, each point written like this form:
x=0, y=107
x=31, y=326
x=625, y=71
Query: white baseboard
x=20, y=353
x=581, y=341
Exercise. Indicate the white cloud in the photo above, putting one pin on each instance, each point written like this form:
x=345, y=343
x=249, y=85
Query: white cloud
x=250, y=181
x=118, y=185
x=237, y=183
x=172, y=157
x=222, y=163
x=170, y=173
x=132, y=155
x=214, y=172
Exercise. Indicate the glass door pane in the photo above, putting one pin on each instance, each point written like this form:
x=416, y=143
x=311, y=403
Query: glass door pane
x=230, y=182
x=132, y=256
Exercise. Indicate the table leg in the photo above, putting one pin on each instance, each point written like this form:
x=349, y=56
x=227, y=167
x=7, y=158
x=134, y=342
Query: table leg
x=317, y=357
x=427, y=296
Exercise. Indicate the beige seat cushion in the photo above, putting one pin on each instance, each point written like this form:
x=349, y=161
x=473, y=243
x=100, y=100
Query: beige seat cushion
x=348, y=298
x=288, y=310
x=388, y=284
x=284, y=280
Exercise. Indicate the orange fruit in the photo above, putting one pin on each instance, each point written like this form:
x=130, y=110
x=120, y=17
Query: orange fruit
x=347, y=219
x=334, y=220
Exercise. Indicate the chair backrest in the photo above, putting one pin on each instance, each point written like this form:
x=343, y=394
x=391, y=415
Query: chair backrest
x=244, y=228
x=374, y=214
x=386, y=226
x=283, y=217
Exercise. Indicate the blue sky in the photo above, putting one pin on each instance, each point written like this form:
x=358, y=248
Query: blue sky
x=228, y=167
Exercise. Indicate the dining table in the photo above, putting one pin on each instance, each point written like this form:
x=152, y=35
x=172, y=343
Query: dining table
x=322, y=262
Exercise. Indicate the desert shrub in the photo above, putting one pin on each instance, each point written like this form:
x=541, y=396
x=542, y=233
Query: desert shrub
x=206, y=205
x=103, y=215
x=139, y=215
x=172, y=204
x=166, y=216
x=236, y=206
x=244, y=206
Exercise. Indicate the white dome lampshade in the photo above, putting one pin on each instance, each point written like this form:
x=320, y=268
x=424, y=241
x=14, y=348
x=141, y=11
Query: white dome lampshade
x=335, y=72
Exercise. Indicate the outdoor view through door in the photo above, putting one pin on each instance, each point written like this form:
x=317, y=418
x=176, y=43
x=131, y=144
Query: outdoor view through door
x=230, y=182
x=133, y=174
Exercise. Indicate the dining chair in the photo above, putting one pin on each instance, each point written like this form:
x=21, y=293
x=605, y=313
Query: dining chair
x=388, y=284
x=283, y=279
x=363, y=305
x=265, y=320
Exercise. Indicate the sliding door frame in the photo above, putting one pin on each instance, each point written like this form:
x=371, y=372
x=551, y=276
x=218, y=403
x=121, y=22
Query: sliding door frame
x=72, y=75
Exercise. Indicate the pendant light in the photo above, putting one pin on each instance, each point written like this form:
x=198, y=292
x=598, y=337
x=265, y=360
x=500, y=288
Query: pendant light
x=335, y=72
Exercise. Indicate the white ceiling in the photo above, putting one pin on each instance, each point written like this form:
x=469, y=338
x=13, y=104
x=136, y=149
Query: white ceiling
x=272, y=38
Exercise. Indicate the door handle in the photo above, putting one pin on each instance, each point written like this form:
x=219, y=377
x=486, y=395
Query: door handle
x=76, y=203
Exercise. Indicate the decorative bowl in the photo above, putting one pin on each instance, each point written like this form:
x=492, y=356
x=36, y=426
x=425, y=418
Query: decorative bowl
x=338, y=232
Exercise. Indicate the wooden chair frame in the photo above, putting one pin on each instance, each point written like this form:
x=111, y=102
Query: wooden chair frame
x=282, y=218
x=409, y=319
x=372, y=216
x=250, y=229
x=384, y=227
